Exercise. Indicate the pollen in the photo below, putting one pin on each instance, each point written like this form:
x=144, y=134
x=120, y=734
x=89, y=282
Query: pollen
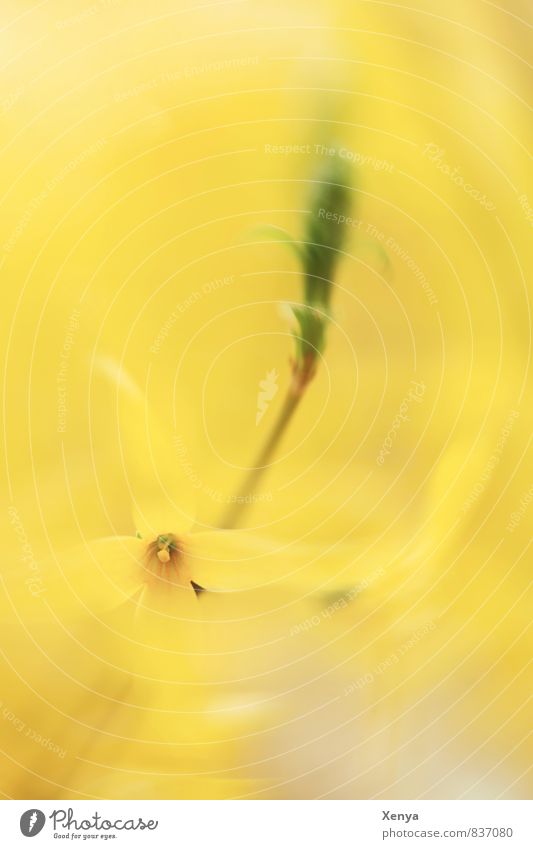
x=165, y=560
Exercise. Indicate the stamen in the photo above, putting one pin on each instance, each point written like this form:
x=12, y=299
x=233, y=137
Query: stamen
x=169, y=567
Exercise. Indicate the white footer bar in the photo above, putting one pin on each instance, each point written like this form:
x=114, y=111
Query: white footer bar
x=269, y=824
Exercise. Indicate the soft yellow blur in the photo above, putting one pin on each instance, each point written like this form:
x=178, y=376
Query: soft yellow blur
x=143, y=144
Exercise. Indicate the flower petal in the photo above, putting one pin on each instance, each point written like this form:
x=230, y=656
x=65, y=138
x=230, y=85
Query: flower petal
x=94, y=577
x=238, y=560
x=163, y=495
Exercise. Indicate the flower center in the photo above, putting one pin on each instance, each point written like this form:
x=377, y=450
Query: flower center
x=167, y=548
x=165, y=559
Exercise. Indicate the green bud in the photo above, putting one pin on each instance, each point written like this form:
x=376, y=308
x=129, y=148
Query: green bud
x=324, y=236
x=319, y=254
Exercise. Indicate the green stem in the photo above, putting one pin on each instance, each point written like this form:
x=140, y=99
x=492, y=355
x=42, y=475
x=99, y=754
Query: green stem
x=301, y=377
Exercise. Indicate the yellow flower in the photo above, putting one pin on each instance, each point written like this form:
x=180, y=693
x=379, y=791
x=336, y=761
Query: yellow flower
x=167, y=563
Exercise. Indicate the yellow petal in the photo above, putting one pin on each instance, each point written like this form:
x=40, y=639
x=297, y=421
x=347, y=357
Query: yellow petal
x=90, y=578
x=238, y=560
x=162, y=493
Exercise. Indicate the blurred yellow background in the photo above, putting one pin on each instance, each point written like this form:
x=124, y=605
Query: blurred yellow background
x=143, y=146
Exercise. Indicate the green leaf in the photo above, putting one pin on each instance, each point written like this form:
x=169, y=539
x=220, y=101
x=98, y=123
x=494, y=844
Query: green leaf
x=310, y=337
x=324, y=234
x=271, y=233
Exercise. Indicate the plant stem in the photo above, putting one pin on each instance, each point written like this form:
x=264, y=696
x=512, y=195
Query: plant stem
x=302, y=376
